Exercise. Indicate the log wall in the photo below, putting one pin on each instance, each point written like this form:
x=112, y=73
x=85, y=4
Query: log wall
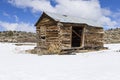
x=51, y=34
x=47, y=32
x=65, y=37
x=93, y=37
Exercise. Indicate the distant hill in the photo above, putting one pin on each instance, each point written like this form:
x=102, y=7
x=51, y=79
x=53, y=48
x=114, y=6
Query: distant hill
x=111, y=36
x=17, y=36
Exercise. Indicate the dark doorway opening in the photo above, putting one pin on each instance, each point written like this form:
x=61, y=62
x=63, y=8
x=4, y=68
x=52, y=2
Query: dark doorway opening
x=77, y=36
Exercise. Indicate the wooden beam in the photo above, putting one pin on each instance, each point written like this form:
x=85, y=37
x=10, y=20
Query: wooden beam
x=76, y=33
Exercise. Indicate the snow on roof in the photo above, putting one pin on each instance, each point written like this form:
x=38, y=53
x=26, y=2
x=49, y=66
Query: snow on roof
x=71, y=19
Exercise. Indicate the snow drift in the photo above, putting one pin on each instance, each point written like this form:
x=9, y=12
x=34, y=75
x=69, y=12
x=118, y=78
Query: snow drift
x=15, y=64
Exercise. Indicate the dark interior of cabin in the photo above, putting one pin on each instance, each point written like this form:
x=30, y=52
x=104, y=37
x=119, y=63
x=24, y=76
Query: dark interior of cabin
x=76, y=36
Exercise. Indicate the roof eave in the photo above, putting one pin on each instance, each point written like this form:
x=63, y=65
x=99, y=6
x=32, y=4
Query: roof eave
x=80, y=24
x=39, y=19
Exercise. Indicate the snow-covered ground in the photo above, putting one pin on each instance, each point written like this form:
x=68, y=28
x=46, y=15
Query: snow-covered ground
x=100, y=65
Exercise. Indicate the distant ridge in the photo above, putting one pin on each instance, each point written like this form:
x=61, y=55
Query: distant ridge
x=17, y=36
x=111, y=36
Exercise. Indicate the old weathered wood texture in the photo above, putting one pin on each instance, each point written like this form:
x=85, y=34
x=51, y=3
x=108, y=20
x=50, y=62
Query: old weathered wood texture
x=93, y=37
x=57, y=36
x=65, y=33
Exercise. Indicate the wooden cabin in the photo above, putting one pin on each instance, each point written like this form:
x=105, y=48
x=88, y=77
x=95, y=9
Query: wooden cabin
x=59, y=34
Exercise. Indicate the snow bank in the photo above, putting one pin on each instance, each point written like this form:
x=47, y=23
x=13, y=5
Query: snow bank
x=100, y=65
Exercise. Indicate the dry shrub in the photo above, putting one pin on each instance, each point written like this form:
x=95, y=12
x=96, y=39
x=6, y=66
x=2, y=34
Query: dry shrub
x=54, y=48
x=32, y=51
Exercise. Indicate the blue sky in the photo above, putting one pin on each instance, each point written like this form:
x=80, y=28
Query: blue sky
x=23, y=14
x=114, y=5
